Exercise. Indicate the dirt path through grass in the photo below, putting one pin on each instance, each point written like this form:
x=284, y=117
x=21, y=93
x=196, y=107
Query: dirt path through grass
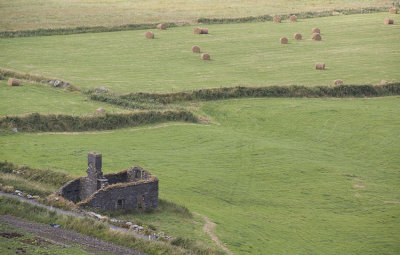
x=66, y=237
x=208, y=228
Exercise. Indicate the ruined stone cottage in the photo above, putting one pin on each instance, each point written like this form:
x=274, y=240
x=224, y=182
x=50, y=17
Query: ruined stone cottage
x=132, y=189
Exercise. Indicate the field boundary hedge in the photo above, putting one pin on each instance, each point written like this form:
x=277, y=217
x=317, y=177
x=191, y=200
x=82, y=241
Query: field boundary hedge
x=300, y=15
x=341, y=91
x=78, y=30
x=262, y=18
x=116, y=100
x=36, y=122
x=7, y=73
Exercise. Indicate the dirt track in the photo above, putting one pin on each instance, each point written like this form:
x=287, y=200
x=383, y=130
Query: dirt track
x=67, y=237
x=208, y=227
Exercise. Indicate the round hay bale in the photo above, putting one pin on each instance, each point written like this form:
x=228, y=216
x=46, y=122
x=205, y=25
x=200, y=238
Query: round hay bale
x=316, y=37
x=316, y=30
x=100, y=111
x=276, y=19
x=199, y=30
x=383, y=82
x=320, y=66
x=284, y=40
x=338, y=82
x=149, y=35
x=1, y=76
x=205, y=56
x=393, y=10
x=297, y=36
x=13, y=82
x=293, y=18
x=162, y=26
x=196, y=49
x=388, y=21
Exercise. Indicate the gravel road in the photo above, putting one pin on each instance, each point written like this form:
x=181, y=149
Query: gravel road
x=67, y=237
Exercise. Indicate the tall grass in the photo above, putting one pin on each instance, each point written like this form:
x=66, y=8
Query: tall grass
x=45, y=176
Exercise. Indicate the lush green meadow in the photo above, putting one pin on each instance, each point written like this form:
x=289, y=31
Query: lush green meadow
x=30, y=98
x=359, y=49
x=26, y=14
x=278, y=176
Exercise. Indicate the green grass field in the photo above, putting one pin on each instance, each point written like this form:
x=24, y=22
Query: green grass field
x=359, y=49
x=25, y=14
x=278, y=176
x=30, y=98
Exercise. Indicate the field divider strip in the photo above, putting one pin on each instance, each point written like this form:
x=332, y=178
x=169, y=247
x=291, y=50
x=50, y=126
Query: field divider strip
x=127, y=27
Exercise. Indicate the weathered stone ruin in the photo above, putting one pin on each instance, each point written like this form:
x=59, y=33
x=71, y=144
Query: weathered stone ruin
x=131, y=189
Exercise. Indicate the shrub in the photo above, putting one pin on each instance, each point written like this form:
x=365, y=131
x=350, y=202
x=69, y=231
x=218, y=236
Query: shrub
x=270, y=91
x=36, y=122
x=77, y=30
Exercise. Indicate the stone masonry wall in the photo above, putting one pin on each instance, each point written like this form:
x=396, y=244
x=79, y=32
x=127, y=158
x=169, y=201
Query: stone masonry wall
x=71, y=190
x=125, y=197
x=117, y=178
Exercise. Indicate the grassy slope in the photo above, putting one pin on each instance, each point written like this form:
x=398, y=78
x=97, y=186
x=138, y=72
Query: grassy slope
x=276, y=175
x=26, y=14
x=358, y=49
x=29, y=98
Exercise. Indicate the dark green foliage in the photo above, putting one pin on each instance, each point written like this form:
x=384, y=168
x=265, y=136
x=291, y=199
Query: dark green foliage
x=302, y=15
x=271, y=91
x=130, y=104
x=77, y=30
x=47, y=176
x=36, y=122
x=182, y=242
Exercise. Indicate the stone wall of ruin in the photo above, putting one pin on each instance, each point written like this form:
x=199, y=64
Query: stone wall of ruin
x=125, y=196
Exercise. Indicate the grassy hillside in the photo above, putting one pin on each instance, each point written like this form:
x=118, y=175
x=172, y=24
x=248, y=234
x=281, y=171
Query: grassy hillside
x=25, y=14
x=29, y=98
x=358, y=49
x=278, y=176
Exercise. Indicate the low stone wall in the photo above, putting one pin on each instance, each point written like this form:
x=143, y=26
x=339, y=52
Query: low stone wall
x=128, y=197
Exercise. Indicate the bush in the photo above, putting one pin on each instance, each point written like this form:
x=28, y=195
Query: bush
x=77, y=30
x=36, y=122
x=270, y=91
x=302, y=15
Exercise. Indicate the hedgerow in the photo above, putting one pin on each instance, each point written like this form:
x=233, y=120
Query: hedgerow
x=270, y=91
x=36, y=122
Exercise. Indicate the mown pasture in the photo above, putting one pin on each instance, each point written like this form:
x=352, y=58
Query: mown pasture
x=278, y=176
x=359, y=49
x=31, y=98
x=25, y=14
